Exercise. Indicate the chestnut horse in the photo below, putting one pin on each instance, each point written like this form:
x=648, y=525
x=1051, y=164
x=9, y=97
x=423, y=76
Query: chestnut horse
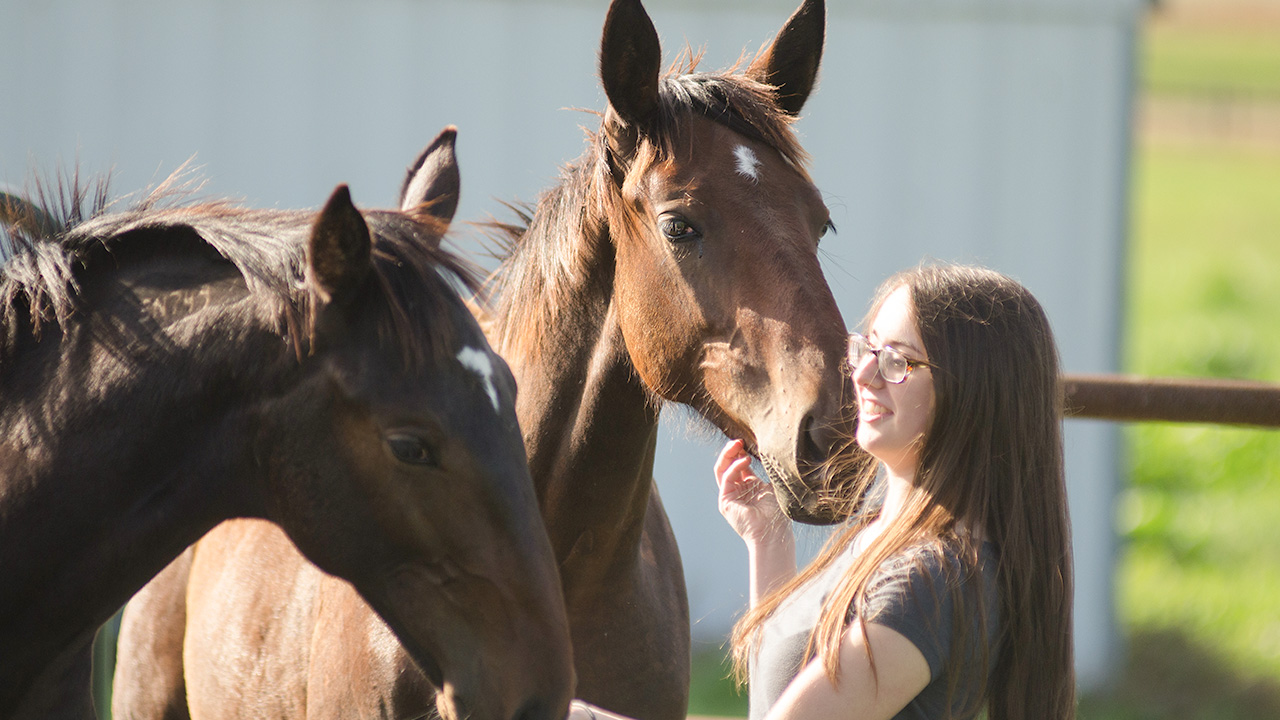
x=675, y=261
x=166, y=368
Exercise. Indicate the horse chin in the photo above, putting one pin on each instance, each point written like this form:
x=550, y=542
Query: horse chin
x=796, y=494
x=406, y=588
x=427, y=664
x=813, y=515
x=418, y=582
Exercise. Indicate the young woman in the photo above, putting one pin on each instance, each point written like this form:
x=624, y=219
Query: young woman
x=952, y=592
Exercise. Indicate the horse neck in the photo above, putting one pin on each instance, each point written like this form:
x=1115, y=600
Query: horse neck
x=124, y=456
x=590, y=427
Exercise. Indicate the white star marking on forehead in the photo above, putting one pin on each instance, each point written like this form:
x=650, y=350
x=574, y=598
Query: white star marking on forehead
x=748, y=163
x=479, y=362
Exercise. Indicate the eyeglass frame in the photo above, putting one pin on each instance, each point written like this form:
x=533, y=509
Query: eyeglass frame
x=880, y=359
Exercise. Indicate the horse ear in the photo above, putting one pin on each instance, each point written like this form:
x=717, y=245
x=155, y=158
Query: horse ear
x=630, y=59
x=338, y=255
x=433, y=182
x=790, y=63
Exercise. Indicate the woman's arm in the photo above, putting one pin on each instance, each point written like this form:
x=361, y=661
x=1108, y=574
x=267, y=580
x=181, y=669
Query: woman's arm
x=748, y=504
x=769, y=566
x=901, y=672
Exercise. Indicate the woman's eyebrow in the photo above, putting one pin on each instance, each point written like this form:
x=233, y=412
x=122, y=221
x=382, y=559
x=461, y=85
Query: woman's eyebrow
x=902, y=345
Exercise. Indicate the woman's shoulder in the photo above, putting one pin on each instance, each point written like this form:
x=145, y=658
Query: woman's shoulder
x=915, y=594
x=931, y=572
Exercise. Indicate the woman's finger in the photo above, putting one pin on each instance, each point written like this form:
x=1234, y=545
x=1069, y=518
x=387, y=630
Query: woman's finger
x=740, y=472
x=740, y=483
x=735, y=472
x=731, y=452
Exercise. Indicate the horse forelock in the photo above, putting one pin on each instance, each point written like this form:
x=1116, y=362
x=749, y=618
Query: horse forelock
x=552, y=248
x=421, y=283
x=730, y=98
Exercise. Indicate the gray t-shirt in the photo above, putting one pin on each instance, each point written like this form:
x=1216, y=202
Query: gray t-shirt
x=908, y=596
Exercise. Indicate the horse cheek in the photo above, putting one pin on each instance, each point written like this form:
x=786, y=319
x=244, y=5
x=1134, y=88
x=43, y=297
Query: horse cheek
x=317, y=501
x=660, y=332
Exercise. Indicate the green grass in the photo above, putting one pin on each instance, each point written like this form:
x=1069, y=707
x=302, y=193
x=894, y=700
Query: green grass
x=711, y=691
x=1220, y=63
x=1213, y=49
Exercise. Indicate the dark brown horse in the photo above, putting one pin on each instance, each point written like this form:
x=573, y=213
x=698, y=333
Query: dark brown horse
x=675, y=262
x=166, y=368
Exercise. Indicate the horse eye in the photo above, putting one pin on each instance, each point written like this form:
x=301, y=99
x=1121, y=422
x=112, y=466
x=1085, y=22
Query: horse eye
x=412, y=450
x=679, y=230
x=827, y=227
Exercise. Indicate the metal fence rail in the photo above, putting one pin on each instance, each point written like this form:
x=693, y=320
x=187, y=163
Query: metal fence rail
x=1191, y=400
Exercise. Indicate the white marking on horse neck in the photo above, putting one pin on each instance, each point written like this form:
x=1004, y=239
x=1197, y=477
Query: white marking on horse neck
x=748, y=163
x=480, y=363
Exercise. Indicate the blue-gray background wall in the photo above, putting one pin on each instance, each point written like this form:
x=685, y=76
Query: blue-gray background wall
x=989, y=131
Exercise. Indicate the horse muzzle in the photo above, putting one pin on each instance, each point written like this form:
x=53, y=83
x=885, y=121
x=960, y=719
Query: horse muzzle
x=818, y=468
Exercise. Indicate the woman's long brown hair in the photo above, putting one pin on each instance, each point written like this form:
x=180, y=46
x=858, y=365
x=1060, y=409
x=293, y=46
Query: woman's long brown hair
x=992, y=458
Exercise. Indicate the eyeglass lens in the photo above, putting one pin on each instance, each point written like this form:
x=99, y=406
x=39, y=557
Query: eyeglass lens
x=892, y=365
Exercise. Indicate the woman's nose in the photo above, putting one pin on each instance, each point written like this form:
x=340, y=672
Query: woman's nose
x=867, y=370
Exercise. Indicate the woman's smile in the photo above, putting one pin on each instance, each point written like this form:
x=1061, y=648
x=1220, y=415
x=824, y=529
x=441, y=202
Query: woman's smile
x=869, y=410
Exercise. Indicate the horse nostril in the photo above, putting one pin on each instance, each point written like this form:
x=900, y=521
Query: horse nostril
x=812, y=446
x=820, y=436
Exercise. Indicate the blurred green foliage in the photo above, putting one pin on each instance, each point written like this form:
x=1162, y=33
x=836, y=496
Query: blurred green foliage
x=1199, y=581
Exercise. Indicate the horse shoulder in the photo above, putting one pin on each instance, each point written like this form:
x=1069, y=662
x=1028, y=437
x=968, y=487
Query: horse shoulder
x=358, y=667
x=149, y=682
x=251, y=605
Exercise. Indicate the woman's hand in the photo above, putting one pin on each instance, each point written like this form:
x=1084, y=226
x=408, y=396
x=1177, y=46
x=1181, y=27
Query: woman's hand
x=746, y=501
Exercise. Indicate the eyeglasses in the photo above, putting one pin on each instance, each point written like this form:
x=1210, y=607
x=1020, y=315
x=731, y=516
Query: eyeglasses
x=893, y=366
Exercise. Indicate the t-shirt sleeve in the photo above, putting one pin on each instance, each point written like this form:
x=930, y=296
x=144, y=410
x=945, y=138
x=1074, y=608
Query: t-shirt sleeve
x=911, y=597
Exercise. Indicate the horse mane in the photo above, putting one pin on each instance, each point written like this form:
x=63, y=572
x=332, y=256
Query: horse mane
x=38, y=273
x=550, y=248
x=69, y=234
